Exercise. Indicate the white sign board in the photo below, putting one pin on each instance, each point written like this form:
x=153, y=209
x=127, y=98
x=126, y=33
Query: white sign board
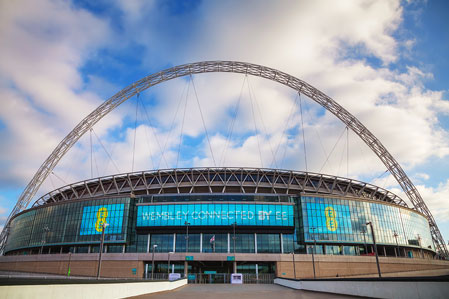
x=236, y=278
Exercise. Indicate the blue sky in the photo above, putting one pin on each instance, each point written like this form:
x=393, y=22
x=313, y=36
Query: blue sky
x=385, y=61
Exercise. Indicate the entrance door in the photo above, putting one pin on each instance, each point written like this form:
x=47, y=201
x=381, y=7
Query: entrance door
x=210, y=272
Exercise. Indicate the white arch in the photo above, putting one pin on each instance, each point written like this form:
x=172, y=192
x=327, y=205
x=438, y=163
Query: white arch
x=233, y=67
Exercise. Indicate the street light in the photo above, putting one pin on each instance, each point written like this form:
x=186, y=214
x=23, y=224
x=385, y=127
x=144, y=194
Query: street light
x=68, y=266
x=187, y=235
x=168, y=266
x=152, y=262
x=364, y=240
x=294, y=266
x=44, y=237
x=233, y=238
x=103, y=228
x=395, y=235
x=313, y=252
x=375, y=247
x=420, y=247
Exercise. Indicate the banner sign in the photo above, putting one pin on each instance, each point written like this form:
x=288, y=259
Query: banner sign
x=329, y=218
x=215, y=214
x=95, y=216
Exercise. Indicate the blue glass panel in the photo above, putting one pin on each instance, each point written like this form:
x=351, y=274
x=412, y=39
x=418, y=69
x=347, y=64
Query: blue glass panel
x=329, y=218
x=94, y=217
x=215, y=214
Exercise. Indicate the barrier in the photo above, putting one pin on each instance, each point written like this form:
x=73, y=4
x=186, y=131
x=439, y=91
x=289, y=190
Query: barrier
x=397, y=289
x=88, y=289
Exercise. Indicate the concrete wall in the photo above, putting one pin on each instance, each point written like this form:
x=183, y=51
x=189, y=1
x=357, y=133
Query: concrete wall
x=121, y=265
x=327, y=266
x=376, y=289
x=68, y=291
x=113, y=265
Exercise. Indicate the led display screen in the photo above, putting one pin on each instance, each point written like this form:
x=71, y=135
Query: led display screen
x=95, y=216
x=215, y=214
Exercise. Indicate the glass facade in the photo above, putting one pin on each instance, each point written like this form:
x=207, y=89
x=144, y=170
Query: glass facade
x=280, y=224
x=268, y=243
x=71, y=223
x=333, y=220
x=215, y=242
x=215, y=214
x=244, y=243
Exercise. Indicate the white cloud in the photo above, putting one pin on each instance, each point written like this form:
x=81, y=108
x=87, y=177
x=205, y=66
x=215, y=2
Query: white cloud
x=310, y=40
x=44, y=43
x=326, y=45
x=3, y=212
x=436, y=199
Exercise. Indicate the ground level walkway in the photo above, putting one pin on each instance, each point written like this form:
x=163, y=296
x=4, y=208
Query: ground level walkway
x=227, y=291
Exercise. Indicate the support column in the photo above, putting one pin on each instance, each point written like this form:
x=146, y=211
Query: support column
x=174, y=242
x=257, y=273
x=229, y=242
x=255, y=242
x=186, y=269
x=201, y=242
x=235, y=266
x=148, y=243
x=282, y=243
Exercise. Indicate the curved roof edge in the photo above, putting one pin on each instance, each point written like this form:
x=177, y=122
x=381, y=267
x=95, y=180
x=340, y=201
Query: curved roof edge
x=219, y=180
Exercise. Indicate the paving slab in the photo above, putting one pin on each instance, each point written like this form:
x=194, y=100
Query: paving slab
x=228, y=291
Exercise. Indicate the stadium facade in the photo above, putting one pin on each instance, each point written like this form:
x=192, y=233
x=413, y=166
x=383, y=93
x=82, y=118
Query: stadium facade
x=220, y=219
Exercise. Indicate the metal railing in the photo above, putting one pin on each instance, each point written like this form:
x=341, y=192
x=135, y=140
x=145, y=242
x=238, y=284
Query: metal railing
x=266, y=278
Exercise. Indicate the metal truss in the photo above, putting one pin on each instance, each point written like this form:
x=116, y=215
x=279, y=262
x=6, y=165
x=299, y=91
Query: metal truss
x=219, y=180
x=230, y=67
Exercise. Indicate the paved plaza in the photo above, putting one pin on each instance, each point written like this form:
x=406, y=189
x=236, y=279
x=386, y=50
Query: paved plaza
x=228, y=291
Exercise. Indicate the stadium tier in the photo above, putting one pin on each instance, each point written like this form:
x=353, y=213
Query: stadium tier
x=221, y=211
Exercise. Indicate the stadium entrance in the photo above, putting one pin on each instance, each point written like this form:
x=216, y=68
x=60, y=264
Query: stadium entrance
x=214, y=271
x=220, y=272
x=210, y=272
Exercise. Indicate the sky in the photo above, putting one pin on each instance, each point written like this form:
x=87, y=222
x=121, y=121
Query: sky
x=386, y=62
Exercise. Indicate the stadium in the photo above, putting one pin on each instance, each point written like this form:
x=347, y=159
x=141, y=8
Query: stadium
x=207, y=223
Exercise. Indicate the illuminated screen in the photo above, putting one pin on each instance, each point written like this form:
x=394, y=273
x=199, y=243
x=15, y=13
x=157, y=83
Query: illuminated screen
x=329, y=218
x=95, y=216
x=215, y=214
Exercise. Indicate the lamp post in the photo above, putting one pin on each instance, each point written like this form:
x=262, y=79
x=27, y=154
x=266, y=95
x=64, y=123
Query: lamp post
x=152, y=262
x=420, y=247
x=68, y=266
x=103, y=226
x=168, y=266
x=395, y=235
x=375, y=247
x=294, y=266
x=233, y=238
x=187, y=235
x=44, y=237
x=313, y=252
x=364, y=240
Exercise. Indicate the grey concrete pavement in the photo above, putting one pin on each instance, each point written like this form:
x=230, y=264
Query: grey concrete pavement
x=228, y=291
